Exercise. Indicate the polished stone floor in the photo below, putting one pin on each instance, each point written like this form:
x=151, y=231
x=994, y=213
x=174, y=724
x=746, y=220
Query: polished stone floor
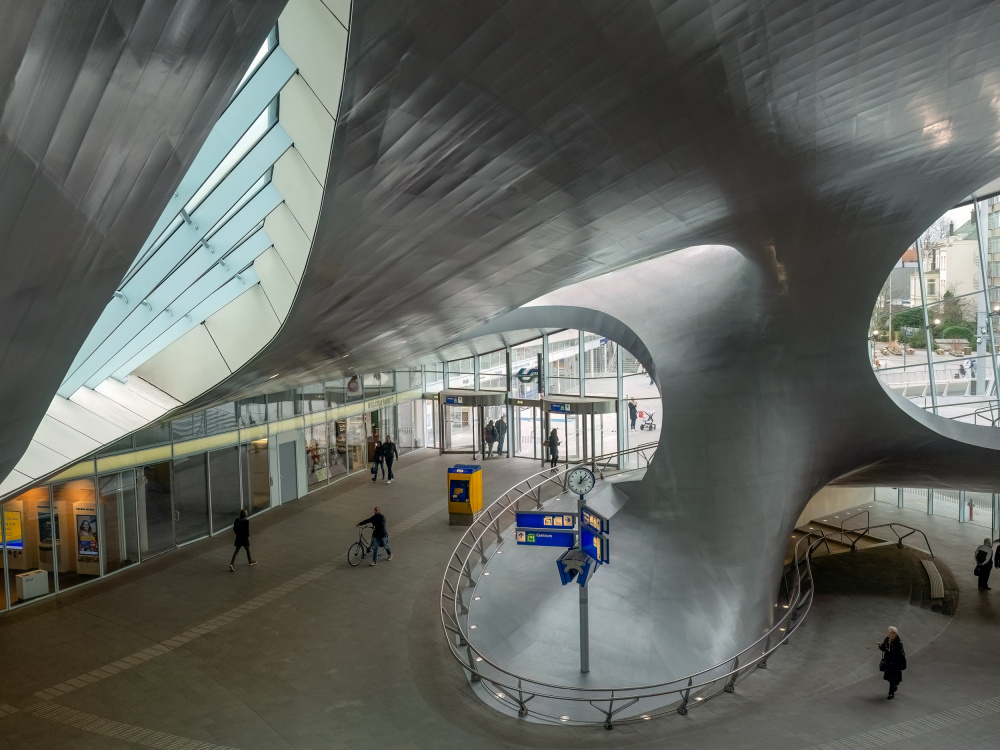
x=303, y=651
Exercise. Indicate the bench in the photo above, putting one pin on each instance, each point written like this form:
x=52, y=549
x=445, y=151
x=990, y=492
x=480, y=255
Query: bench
x=937, y=584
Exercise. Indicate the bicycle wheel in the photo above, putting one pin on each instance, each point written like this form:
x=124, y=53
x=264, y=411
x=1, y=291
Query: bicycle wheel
x=355, y=553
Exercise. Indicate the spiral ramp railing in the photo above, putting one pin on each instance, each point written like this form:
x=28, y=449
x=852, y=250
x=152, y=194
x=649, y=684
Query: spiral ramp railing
x=570, y=704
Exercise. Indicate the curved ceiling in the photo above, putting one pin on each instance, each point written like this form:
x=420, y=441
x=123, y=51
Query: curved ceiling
x=103, y=106
x=489, y=154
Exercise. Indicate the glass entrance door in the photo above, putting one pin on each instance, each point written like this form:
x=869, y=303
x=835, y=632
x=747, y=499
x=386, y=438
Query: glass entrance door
x=570, y=435
x=460, y=425
x=526, y=431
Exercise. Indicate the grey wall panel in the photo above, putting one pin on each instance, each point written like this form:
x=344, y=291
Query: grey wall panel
x=103, y=105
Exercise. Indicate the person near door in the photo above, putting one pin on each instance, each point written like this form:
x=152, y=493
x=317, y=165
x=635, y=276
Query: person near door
x=389, y=454
x=553, y=444
x=377, y=461
x=380, y=535
x=501, y=428
x=242, y=530
x=489, y=437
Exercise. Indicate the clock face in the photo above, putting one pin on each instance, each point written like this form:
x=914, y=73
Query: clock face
x=580, y=481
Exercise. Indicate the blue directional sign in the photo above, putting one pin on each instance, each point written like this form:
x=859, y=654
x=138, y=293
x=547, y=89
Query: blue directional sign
x=542, y=519
x=453, y=399
x=596, y=545
x=561, y=407
x=591, y=519
x=543, y=538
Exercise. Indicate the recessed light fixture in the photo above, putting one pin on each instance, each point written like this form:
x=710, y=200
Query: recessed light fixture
x=473, y=627
x=500, y=695
x=479, y=658
x=478, y=598
x=499, y=551
x=345, y=356
x=646, y=717
x=563, y=718
x=699, y=698
x=486, y=573
x=274, y=376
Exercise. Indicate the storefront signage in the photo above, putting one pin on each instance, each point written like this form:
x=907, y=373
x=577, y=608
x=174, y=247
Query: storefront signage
x=86, y=532
x=539, y=538
x=380, y=403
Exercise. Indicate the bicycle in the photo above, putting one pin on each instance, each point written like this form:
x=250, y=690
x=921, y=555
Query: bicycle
x=360, y=548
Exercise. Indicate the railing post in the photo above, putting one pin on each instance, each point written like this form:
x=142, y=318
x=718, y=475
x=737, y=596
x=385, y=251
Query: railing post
x=472, y=664
x=611, y=705
x=731, y=685
x=683, y=708
x=522, y=708
x=767, y=644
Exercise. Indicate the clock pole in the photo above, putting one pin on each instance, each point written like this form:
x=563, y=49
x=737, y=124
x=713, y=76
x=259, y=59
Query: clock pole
x=584, y=604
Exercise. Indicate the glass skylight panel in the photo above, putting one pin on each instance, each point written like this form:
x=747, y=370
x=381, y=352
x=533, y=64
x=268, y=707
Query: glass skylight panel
x=243, y=146
x=247, y=197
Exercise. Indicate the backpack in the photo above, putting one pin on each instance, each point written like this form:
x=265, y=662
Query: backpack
x=982, y=556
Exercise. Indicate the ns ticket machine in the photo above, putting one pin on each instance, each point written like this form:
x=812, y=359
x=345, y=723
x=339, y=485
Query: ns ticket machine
x=465, y=494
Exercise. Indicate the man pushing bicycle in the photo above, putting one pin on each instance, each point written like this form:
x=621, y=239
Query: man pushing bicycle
x=379, y=534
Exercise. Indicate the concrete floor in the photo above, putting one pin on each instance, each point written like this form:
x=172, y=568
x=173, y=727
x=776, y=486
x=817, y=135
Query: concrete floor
x=303, y=651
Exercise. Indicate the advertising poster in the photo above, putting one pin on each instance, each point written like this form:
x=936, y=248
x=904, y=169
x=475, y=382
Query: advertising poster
x=45, y=529
x=86, y=535
x=14, y=538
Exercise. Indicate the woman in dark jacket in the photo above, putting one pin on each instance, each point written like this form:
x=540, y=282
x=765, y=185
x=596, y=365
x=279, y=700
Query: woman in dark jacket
x=377, y=461
x=893, y=660
x=242, y=530
x=553, y=444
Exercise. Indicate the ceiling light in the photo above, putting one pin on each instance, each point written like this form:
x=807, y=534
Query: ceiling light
x=274, y=376
x=478, y=598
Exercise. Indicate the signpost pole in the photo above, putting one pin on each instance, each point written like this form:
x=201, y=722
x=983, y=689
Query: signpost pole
x=584, y=603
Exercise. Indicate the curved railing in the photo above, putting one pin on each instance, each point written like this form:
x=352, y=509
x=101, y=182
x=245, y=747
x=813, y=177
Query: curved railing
x=586, y=705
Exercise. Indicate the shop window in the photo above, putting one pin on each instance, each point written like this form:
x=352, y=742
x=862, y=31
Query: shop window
x=29, y=538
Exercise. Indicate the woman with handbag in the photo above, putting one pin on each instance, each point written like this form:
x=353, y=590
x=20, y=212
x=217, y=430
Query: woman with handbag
x=893, y=660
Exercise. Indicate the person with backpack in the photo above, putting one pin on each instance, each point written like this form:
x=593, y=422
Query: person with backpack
x=489, y=437
x=389, y=454
x=242, y=530
x=893, y=660
x=984, y=555
x=377, y=461
x=380, y=535
x=553, y=446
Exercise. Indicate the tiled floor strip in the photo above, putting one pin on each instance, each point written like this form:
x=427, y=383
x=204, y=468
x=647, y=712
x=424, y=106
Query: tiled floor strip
x=907, y=729
x=127, y=732
x=164, y=647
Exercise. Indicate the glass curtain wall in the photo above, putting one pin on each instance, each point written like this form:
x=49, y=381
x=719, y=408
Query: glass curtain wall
x=462, y=373
x=564, y=364
x=524, y=359
x=493, y=371
x=225, y=485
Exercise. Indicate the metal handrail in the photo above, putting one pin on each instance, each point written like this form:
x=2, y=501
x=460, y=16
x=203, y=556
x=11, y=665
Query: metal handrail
x=864, y=512
x=506, y=684
x=899, y=539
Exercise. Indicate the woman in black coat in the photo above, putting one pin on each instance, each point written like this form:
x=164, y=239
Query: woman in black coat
x=893, y=660
x=242, y=530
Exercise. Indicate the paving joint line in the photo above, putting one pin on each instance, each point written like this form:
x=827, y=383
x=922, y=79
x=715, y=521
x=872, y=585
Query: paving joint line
x=909, y=729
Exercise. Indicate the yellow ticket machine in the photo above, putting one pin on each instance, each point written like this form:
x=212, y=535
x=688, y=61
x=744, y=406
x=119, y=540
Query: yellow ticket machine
x=465, y=494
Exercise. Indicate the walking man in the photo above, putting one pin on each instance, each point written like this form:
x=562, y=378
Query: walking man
x=242, y=530
x=380, y=537
x=633, y=412
x=501, y=428
x=389, y=454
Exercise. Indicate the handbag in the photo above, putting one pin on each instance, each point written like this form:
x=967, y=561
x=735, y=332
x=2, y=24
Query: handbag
x=978, y=571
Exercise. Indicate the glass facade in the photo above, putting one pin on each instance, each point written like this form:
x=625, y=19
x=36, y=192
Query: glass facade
x=188, y=478
x=936, y=321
